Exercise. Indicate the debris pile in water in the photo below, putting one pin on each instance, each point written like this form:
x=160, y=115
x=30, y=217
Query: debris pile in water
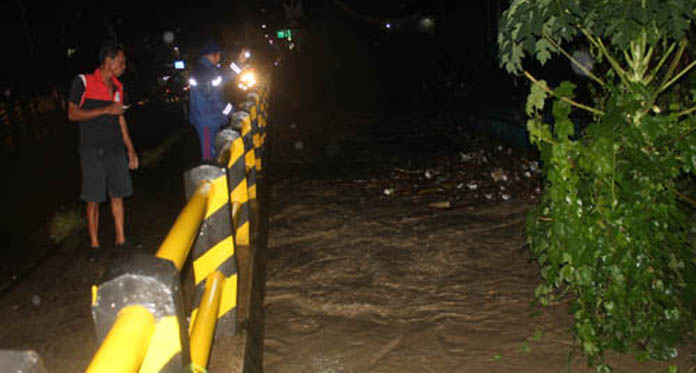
x=481, y=174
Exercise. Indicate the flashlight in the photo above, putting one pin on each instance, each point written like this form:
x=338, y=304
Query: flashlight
x=247, y=80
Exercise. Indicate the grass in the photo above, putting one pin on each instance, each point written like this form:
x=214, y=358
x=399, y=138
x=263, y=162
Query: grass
x=64, y=223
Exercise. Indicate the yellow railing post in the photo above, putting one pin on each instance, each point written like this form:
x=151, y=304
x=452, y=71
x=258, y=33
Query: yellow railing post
x=203, y=329
x=232, y=155
x=153, y=284
x=214, y=248
x=123, y=349
x=177, y=244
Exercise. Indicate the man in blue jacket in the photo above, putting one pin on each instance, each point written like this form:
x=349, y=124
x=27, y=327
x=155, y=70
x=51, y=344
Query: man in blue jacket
x=208, y=109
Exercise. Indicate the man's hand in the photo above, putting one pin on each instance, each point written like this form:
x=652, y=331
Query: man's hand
x=133, y=161
x=114, y=109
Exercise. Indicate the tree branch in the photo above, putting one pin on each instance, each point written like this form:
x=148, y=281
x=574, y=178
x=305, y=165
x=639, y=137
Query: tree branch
x=675, y=61
x=574, y=61
x=612, y=61
x=686, y=112
x=670, y=142
x=681, y=73
x=684, y=197
x=564, y=99
x=659, y=64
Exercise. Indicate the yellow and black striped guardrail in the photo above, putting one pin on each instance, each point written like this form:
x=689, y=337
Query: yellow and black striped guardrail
x=4, y=115
x=214, y=249
x=138, y=308
x=17, y=115
x=30, y=109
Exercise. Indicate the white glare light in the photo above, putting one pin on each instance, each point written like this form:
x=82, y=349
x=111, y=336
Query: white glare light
x=427, y=24
x=193, y=82
x=227, y=109
x=235, y=68
x=216, y=82
x=388, y=25
x=263, y=26
x=168, y=37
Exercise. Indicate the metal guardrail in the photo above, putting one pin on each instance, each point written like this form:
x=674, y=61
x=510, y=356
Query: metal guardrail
x=138, y=307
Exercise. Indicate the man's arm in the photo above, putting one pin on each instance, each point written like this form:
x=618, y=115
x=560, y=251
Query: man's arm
x=78, y=114
x=132, y=155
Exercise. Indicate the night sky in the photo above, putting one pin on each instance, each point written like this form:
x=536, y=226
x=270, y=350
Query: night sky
x=37, y=35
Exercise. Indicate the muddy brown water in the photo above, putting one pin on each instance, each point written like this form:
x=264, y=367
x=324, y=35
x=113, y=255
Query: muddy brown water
x=357, y=281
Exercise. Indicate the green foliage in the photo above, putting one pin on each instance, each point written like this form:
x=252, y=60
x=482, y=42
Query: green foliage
x=533, y=27
x=611, y=231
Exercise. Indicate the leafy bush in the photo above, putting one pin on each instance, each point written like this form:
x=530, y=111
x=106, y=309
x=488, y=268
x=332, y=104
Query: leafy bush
x=611, y=231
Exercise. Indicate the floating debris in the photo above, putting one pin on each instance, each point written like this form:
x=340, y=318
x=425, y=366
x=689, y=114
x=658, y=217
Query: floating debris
x=441, y=205
x=483, y=173
x=36, y=300
x=499, y=175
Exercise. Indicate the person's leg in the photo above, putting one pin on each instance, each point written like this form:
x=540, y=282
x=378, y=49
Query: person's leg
x=207, y=152
x=118, y=213
x=93, y=223
x=206, y=135
x=93, y=190
x=120, y=186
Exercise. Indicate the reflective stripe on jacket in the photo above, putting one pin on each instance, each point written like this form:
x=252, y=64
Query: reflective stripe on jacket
x=206, y=102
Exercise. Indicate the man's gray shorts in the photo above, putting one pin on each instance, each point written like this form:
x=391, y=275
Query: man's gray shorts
x=104, y=171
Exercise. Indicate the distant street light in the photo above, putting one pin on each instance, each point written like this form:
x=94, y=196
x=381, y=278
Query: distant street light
x=168, y=37
x=427, y=24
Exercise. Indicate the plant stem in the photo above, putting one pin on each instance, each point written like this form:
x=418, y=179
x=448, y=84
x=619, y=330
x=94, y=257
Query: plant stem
x=684, y=197
x=613, y=173
x=659, y=64
x=670, y=142
x=564, y=99
x=675, y=61
x=574, y=61
x=686, y=69
x=612, y=61
x=686, y=112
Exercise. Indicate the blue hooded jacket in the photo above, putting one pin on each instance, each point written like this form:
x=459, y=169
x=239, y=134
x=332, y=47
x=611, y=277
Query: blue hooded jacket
x=207, y=106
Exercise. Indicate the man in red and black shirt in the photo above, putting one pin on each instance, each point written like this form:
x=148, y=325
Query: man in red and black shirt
x=106, y=152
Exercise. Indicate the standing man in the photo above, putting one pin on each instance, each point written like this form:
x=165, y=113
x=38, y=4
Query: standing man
x=208, y=109
x=106, y=151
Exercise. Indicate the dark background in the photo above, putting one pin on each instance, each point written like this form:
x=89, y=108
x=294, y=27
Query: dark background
x=345, y=46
